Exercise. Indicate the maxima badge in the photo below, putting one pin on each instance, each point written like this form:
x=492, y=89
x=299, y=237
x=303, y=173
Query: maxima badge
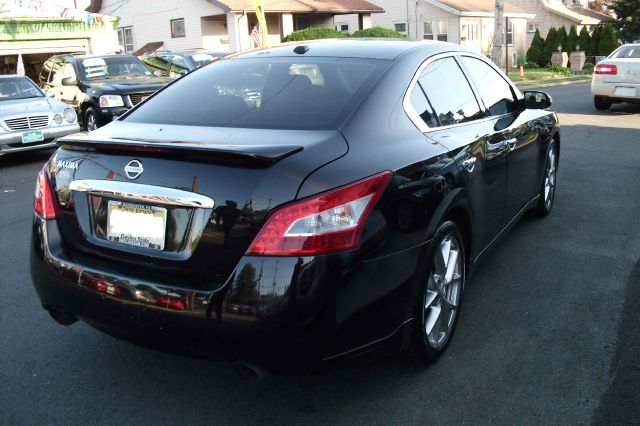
x=133, y=169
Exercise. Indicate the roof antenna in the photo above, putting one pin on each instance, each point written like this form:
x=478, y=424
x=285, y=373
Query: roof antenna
x=301, y=50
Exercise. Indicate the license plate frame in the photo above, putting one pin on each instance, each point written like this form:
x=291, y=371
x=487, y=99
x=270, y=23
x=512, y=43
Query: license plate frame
x=136, y=225
x=32, y=136
x=626, y=91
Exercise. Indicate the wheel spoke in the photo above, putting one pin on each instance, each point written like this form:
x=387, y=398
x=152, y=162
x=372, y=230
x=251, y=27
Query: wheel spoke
x=433, y=314
x=441, y=257
x=431, y=296
x=451, y=266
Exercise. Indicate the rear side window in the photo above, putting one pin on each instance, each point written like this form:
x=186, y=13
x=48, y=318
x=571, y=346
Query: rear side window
x=285, y=93
x=422, y=107
x=494, y=90
x=449, y=92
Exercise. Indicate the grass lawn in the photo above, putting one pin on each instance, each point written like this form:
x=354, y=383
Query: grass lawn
x=542, y=75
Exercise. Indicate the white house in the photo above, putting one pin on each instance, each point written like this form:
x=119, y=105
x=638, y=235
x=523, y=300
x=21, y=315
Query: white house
x=223, y=24
x=466, y=22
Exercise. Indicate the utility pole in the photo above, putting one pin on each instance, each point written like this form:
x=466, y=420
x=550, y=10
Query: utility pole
x=498, y=21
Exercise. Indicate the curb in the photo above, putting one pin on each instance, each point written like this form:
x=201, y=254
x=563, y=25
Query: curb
x=559, y=83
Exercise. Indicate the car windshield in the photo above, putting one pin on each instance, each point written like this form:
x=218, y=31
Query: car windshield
x=627, y=52
x=112, y=67
x=268, y=93
x=18, y=88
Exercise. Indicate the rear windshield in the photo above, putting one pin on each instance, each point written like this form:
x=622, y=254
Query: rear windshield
x=268, y=93
x=627, y=52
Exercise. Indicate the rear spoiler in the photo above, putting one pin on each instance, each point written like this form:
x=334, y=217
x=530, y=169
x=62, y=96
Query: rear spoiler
x=260, y=155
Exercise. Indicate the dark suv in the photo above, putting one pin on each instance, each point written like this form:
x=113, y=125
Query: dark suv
x=99, y=88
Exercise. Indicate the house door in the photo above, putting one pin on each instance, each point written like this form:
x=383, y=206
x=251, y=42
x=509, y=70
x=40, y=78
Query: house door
x=470, y=34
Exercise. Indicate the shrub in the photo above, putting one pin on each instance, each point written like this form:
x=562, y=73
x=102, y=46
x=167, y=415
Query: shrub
x=521, y=59
x=378, y=32
x=550, y=46
x=588, y=68
x=595, y=41
x=562, y=38
x=531, y=66
x=314, y=34
x=559, y=69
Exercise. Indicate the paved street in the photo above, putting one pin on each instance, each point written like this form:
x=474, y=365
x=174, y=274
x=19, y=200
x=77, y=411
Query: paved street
x=548, y=331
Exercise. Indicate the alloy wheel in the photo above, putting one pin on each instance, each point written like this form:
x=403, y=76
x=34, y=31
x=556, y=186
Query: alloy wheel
x=550, y=178
x=444, y=287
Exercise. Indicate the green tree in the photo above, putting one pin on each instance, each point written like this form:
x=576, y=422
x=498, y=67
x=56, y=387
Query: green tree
x=551, y=45
x=562, y=38
x=584, y=40
x=595, y=41
x=628, y=13
x=608, y=41
x=535, y=54
x=572, y=39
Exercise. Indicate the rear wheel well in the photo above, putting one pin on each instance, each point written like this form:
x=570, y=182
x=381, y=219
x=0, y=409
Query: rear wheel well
x=460, y=217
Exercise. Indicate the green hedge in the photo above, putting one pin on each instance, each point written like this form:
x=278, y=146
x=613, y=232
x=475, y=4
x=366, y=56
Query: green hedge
x=318, y=33
x=378, y=32
x=314, y=34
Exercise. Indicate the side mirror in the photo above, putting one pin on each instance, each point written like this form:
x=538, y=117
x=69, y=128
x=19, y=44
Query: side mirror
x=535, y=99
x=69, y=81
x=50, y=94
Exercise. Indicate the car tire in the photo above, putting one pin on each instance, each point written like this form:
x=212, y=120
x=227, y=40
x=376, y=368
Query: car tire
x=602, y=103
x=441, y=285
x=548, y=186
x=90, y=122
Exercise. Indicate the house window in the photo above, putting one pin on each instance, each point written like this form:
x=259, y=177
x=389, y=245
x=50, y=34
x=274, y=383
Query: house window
x=400, y=27
x=514, y=60
x=177, y=28
x=428, y=30
x=302, y=22
x=125, y=39
x=531, y=28
x=342, y=28
x=442, y=30
x=435, y=30
x=509, y=33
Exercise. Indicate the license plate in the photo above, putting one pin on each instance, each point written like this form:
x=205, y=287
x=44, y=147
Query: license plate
x=136, y=225
x=626, y=91
x=32, y=136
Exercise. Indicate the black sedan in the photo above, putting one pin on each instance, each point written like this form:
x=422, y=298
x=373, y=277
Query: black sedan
x=294, y=206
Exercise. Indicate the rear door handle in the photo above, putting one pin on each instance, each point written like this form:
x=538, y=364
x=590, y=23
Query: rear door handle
x=511, y=144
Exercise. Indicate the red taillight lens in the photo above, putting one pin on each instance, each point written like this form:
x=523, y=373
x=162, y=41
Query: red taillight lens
x=44, y=204
x=605, y=69
x=325, y=223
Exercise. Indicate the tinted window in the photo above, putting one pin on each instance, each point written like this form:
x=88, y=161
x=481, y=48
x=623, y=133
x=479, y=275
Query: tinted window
x=421, y=106
x=111, y=66
x=160, y=65
x=494, y=90
x=449, y=92
x=287, y=93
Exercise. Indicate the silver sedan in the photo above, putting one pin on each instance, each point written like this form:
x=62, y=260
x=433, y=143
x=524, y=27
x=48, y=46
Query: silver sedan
x=617, y=78
x=29, y=119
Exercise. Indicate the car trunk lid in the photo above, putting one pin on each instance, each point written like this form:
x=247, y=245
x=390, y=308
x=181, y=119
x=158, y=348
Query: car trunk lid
x=206, y=189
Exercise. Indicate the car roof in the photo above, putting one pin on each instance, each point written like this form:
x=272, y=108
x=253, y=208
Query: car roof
x=12, y=76
x=369, y=48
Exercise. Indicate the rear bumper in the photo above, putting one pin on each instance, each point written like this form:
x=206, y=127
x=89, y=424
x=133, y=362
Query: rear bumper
x=297, y=316
x=600, y=88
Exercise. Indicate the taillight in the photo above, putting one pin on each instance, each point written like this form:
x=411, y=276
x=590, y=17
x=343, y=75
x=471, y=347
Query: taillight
x=325, y=223
x=605, y=69
x=44, y=204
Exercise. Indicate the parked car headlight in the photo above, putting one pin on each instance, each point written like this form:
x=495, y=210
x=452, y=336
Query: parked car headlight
x=111, y=101
x=57, y=119
x=69, y=115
